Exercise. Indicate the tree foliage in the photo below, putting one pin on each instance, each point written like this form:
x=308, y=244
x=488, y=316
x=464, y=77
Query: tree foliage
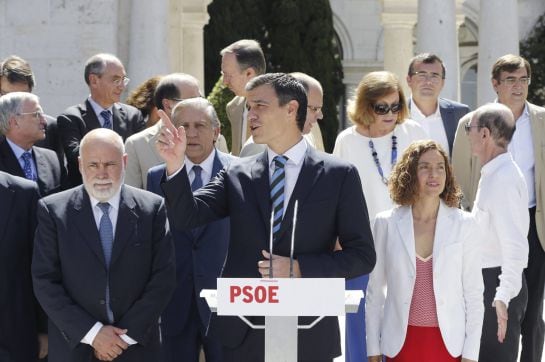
x=296, y=35
x=533, y=49
x=219, y=97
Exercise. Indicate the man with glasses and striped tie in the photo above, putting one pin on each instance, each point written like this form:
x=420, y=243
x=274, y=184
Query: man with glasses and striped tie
x=106, y=79
x=22, y=124
x=251, y=189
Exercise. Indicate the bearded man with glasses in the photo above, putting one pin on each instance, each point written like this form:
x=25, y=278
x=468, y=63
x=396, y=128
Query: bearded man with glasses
x=106, y=78
x=511, y=76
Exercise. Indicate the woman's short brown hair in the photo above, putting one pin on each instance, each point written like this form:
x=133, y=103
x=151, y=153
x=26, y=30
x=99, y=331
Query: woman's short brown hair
x=403, y=181
x=373, y=86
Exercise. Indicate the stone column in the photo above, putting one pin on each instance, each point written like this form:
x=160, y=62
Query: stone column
x=148, y=49
x=437, y=33
x=398, y=43
x=498, y=35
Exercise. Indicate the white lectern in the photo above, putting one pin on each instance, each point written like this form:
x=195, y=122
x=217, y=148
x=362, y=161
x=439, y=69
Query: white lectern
x=281, y=301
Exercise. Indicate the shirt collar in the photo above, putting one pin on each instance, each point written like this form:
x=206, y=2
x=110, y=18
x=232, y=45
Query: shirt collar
x=18, y=151
x=206, y=165
x=98, y=108
x=113, y=201
x=496, y=162
x=295, y=154
x=417, y=114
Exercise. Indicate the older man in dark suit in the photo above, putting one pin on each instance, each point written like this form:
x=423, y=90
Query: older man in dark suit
x=331, y=207
x=106, y=78
x=20, y=317
x=103, y=265
x=23, y=124
x=200, y=252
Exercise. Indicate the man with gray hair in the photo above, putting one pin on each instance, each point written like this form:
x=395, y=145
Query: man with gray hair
x=500, y=208
x=22, y=124
x=240, y=62
x=200, y=252
x=103, y=265
x=140, y=147
x=106, y=78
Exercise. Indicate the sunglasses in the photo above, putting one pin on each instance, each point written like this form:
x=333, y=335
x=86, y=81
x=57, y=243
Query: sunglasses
x=382, y=109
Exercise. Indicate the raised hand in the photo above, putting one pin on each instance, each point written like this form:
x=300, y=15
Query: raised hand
x=171, y=144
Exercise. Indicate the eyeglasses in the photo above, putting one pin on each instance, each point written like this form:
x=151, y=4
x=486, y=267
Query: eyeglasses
x=175, y=99
x=424, y=76
x=468, y=127
x=35, y=114
x=382, y=109
x=120, y=81
x=314, y=109
x=512, y=81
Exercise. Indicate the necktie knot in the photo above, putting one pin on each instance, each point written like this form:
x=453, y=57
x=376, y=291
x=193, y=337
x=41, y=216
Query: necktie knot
x=107, y=117
x=104, y=207
x=280, y=161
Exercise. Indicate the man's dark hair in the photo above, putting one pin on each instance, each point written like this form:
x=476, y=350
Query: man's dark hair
x=510, y=63
x=97, y=64
x=17, y=70
x=287, y=88
x=168, y=88
x=426, y=58
x=248, y=53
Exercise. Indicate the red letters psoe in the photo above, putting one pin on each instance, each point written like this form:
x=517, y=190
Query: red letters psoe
x=281, y=297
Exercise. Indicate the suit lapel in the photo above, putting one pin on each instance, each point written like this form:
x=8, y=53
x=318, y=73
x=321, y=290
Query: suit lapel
x=127, y=221
x=119, y=121
x=43, y=170
x=311, y=170
x=537, y=122
x=89, y=116
x=406, y=232
x=7, y=195
x=260, y=183
x=85, y=223
x=447, y=116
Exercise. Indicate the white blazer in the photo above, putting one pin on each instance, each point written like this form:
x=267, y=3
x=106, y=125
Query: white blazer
x=457, y=282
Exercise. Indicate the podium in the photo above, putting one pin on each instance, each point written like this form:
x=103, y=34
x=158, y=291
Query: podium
x=281, y=301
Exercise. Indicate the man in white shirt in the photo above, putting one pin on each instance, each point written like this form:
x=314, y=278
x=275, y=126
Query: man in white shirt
x=500, y=209
x=103, y=263
x=438, y=116
x=511, y=75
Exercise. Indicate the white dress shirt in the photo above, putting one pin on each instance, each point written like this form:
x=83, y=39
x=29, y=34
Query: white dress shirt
x=522, y=149
x=295, y=156
x=501, y=210
x=18, y=152
x=206, y=166
x=432, y=125
x=97, y=213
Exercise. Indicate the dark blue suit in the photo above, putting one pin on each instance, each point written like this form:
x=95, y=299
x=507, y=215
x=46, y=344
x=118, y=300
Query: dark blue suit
x=200, y=254
x=331, y=207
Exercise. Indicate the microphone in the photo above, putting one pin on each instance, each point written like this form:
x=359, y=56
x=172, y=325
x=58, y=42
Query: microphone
x=293, y=236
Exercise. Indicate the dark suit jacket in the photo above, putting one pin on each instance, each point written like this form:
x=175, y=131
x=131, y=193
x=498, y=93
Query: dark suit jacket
x=70, y=275
x=331, y=205
x=76, y=121
x=52, y=139
x=200, y=254
x=18, y=308
x=51, y=175
x=451, y=112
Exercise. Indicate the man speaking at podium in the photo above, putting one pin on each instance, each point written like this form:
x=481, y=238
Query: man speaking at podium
x=254, y=190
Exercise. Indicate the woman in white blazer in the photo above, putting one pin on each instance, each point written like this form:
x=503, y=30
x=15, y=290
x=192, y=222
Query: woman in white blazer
x=424, y=300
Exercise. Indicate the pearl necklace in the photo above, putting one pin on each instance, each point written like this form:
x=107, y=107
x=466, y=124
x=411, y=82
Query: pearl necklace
x=393, y=159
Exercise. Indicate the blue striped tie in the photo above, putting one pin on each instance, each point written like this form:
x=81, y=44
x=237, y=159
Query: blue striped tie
x=27, y=166
x=106, y=233
x=107, y=117
x=197, y=181
x=277, y=192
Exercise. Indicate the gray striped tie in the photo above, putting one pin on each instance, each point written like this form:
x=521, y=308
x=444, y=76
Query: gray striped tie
x=106, y=233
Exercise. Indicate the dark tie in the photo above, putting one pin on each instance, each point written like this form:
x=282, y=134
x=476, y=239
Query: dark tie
x=107, y=117
x=197, y=181
x=107, y=239
x=27, y=166
x=277, y=192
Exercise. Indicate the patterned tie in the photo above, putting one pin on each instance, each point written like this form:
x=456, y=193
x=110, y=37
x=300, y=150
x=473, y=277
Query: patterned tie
x=277, y=192
x=27, y=166
x=197, y=181
x=106, y=233
x=107, y=117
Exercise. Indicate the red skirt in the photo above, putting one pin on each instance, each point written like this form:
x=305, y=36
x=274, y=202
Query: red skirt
x=423, y=344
